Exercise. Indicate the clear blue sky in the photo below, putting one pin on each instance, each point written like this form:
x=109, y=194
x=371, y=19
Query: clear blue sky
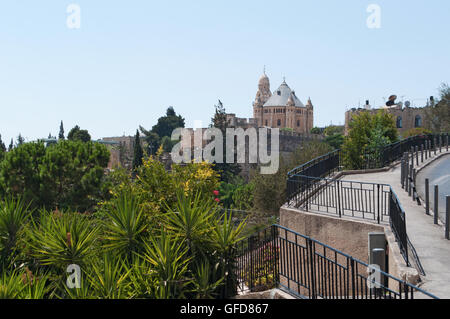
x=130, y=60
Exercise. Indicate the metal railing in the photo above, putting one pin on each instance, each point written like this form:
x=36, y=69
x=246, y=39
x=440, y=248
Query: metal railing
x=343, y=198
x=307, y=268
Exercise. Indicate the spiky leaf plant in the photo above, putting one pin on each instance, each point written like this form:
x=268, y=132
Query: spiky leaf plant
x=61, y=239
x=14, y=214
x=168, y=257
x=125, y=227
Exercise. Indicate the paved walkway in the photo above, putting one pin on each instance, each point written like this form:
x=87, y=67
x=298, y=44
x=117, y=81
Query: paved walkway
x=428, y=239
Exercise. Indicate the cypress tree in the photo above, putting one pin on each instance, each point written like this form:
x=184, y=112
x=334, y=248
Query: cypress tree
x=11, y=145
x=61, y=131
x=138, y=152
x=2, y=145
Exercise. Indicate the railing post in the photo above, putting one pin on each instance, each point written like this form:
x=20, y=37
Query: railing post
x=447, y=217
x=435, y=145
x=352, y=266
x=339, y=199
x=312, y=287
x=402, y=173
x=421, y=153
x=378, y=203
x=417, y=155
x=436, y=204
x=414, y=184
x=447, y=142
x=427, y=196
x=426, y=149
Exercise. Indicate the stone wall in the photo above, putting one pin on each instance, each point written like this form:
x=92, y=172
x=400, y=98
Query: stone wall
x=406, y=114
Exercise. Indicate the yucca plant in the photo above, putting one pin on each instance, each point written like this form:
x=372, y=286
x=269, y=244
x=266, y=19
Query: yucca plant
x=206, y=281
x=225, y=237
x=109, y=278
x=59, y=240
x=22, y=285
x=142, y=278
x=125, y=227
x=191, y=220
x=14, y=214
x=11, y=285
x=168, y=257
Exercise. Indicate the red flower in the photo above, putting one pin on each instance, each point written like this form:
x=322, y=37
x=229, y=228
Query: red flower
x=217, y=200
x=216, y=193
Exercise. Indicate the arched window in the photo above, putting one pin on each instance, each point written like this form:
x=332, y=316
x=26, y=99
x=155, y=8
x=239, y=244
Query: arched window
x=418, y=121
x=399, y=122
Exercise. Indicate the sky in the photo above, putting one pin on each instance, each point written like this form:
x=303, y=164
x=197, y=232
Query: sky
x=130, y=60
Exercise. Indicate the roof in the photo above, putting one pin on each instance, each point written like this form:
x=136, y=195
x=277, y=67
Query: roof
x=282, y=98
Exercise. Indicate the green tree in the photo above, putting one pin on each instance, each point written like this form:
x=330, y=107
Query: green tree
x=61, y=131
x=77, y=134
x=11, y=145
x=437, y=117
x=368, y=134
x=164, y=128
x=20, y=140
x=67, y=174
x=227, y=170
x=270, y=190
x=138, y=152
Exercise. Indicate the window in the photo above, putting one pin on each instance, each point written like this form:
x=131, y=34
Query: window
x=298, y=123
x=266, y=123
x=279, y=122
x=418, y=121
x=399, y=122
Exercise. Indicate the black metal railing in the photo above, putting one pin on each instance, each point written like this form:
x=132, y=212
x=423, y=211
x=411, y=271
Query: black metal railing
x=388, y=154
x=397, y=220
x=342, y=198
x=307, y=268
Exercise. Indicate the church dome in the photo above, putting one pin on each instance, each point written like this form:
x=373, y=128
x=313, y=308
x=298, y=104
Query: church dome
x=282, y=96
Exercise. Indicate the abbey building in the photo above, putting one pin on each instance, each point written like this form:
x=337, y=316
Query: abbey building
x=278, y=109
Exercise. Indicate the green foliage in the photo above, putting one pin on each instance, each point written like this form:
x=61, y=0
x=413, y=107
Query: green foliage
x=61, y=131
x=125, y=228
x=416, y=131
x=335, y=141
x=67, y=174
x=333, y=130
x=61, y=239
x=168, y=256
x=270, y=190
x=138, y=152
x=316, y=130
x=226, y=170
x=14, y=215
x=236, y=194
x=77, y=134
x=161, y=133
x=368, y=134
x=22, y=285
x=437, y=117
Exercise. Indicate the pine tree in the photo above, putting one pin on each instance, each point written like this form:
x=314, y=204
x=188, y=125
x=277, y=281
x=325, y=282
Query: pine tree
x=20, y=140
x=61, y=131
x=11, y=145
x=138, y=152
x=2, y=145
x=226, y=170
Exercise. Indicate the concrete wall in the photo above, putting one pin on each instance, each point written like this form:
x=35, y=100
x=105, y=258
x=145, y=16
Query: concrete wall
x=349, y=236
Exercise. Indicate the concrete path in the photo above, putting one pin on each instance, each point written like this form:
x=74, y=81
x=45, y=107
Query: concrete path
x=428, y=239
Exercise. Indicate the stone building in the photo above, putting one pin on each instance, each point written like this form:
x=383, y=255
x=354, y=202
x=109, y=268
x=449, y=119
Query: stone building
x=280, y=109
x=406, y=117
